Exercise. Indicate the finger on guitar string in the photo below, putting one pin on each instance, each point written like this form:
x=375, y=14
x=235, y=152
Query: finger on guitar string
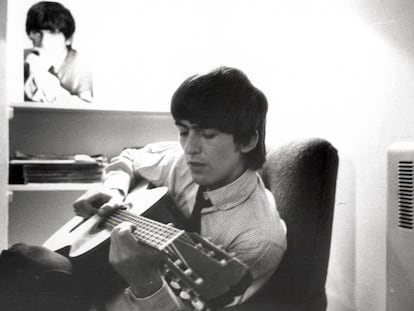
x=89, y=202
x=135, y=262
x=122, y=242
x=126, y=249
x=124, y=230
x=111, y=206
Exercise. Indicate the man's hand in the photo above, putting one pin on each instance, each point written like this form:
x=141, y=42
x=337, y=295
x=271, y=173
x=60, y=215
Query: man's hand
x=38, y=62
x=101, y=201
x=136, y=263
x=46, y=84
x=48, y=87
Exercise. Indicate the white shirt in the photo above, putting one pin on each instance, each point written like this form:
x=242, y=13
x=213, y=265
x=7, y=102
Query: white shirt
x=243, y=218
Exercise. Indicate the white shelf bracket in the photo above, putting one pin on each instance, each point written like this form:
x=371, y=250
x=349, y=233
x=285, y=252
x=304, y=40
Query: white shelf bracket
x=11, y=113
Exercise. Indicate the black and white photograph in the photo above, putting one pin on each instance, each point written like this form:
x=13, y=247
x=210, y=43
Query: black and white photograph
x=193, y=155
x=53, y=70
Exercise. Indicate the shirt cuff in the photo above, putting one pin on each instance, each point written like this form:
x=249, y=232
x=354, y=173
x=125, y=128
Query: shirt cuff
x=117, y=180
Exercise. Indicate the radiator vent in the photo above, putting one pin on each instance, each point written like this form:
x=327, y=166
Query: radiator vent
x=405, y=194
x=400, y=227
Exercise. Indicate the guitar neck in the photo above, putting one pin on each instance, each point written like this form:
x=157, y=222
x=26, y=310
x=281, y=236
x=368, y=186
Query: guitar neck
x=148, y=231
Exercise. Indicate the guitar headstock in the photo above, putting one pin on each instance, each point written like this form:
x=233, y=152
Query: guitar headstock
x=204, y=274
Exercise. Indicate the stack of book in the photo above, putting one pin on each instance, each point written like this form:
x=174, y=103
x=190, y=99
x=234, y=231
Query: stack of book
x=57, y=169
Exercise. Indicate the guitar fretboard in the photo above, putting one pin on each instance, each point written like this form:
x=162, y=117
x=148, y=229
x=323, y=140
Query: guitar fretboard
x=151, y=232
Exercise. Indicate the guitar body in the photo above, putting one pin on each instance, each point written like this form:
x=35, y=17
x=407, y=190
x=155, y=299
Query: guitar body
x=81, y=236
x=86, y=242
x=198, y=271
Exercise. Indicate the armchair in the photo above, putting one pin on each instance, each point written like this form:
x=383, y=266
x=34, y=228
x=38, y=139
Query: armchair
x=302, y=177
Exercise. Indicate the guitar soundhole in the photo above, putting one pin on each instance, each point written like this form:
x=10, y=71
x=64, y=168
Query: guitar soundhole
x=78, y=225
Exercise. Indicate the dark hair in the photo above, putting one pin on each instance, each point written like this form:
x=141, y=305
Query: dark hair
x=51, y=16
x=226, y=100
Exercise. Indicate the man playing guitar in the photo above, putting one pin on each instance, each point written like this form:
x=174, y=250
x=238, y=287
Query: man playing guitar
x=212, y=179
x=220, y=118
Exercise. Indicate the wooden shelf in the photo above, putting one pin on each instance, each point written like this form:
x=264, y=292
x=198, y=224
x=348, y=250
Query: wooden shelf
x=54, y=187
x=9, y=196
x=36, y=106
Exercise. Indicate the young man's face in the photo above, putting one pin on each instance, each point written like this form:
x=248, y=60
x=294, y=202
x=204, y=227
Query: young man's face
x=212, y=156
x=51, y=43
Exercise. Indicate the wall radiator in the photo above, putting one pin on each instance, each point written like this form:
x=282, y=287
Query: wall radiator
x=400, y=227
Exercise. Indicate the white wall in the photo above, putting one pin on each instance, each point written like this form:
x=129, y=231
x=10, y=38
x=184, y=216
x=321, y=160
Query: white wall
x=3, y=129
x=338, y=69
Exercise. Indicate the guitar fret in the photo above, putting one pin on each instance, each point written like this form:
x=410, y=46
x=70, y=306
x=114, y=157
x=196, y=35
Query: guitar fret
x=153, y=233
x=153, y=237
x=147, y=235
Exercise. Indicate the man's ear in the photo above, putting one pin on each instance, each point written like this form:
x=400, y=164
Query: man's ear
x=254, y=139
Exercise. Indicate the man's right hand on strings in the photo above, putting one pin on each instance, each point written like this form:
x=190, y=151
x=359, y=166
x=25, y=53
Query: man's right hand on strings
x=101, y=201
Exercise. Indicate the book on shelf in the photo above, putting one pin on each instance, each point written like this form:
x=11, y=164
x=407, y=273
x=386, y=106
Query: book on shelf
x=79, y=168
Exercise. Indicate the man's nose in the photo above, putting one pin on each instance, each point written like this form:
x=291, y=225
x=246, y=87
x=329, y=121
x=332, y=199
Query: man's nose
x=193, y=144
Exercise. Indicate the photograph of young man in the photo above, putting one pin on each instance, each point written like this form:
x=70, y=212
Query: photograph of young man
x=53, y=70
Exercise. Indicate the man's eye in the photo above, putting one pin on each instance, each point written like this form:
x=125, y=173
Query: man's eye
x=183, y=133
x=209, y=135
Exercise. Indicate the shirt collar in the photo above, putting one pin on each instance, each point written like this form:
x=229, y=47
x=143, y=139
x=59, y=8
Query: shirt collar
x=234, y=193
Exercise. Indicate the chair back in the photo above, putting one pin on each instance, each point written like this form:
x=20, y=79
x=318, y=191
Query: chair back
x=302, y=177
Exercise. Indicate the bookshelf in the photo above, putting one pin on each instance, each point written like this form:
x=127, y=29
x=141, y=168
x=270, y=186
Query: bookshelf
x=53, y=187
x=33, y=106
x=37, y=210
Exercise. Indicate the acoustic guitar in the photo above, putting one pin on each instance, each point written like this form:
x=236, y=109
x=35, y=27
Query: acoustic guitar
x=202, y=274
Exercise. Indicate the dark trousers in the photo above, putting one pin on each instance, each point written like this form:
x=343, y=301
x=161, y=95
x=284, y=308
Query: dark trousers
x=35, y=278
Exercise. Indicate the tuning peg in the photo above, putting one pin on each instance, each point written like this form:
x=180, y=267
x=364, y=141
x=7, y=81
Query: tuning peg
x=188, y=272
x=223, y=262
x=175, y=283
x=197, y=304
x=178, y=262
x=210, y=253
x=170, y=224
x=232, y=254
x=185, y=294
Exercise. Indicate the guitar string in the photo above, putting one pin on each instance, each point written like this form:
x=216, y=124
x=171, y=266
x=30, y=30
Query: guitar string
x=153, y=226
x=161, y=234
x=169, y=247
x=148, y=221
x=158, y=232
x=117, y=218
x=145, y=233
x=141, y=236
x=170, y=250
x=145, y=221
x=156, y=240
x=155, y=233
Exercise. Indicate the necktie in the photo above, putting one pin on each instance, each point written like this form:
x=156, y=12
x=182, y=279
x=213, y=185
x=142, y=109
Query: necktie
x=194, y=222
